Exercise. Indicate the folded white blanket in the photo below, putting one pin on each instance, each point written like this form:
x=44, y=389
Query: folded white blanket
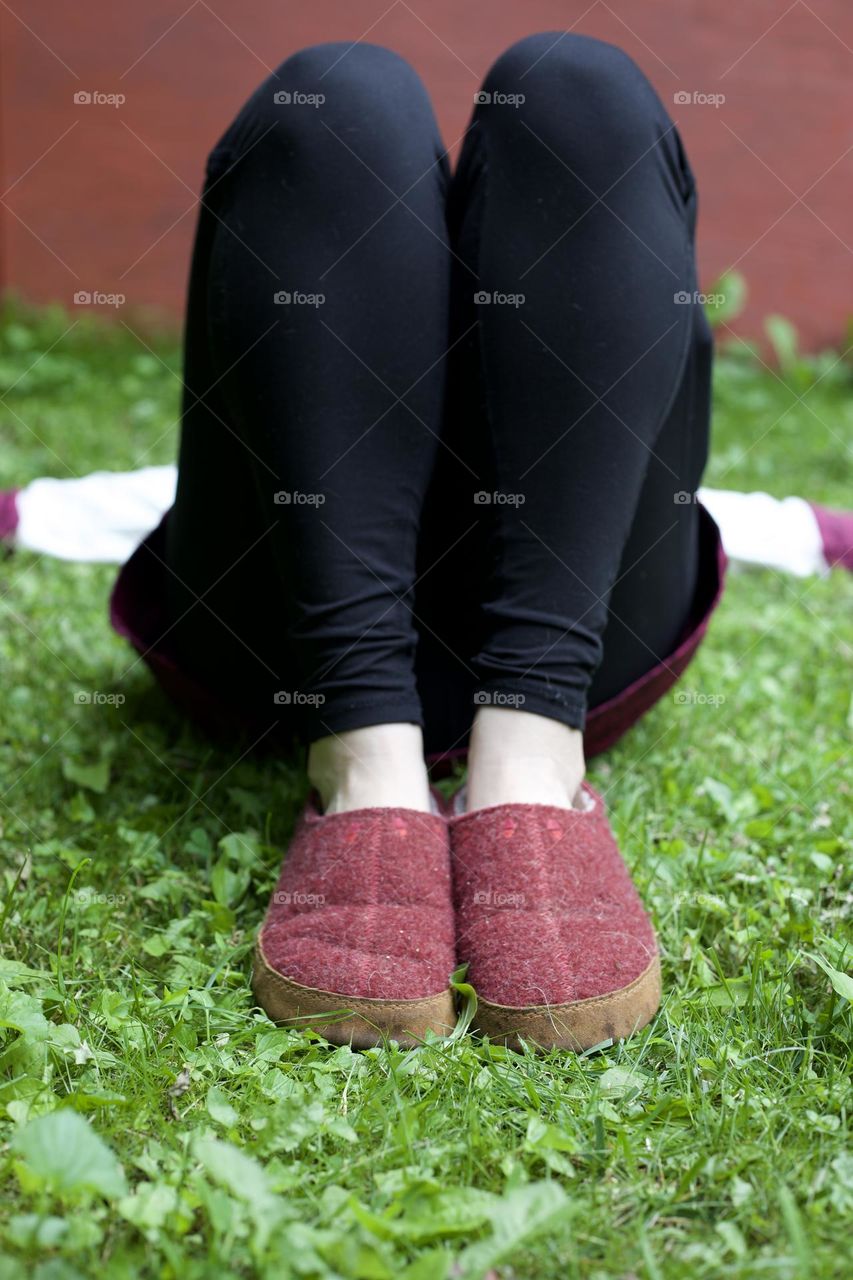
x=102, y=516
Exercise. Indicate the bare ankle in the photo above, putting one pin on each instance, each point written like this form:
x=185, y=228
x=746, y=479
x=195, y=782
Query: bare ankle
x=517, y=757
x=379, y=766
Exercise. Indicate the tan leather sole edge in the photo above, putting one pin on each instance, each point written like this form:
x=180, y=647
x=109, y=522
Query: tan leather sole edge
x=355, y=1020
x=580, y=1024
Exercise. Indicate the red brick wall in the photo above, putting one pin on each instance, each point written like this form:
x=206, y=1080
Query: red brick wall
x=98, y=197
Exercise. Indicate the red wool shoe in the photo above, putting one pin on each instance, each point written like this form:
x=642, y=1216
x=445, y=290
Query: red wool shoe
x=358, y=939
x=559, y=947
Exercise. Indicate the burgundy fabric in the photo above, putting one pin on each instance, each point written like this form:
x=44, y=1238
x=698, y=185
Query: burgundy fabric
x=836, y=533
x=137, y=613
x=8, y=513
x=363, y=905
x=546, y=911
x=607, y=722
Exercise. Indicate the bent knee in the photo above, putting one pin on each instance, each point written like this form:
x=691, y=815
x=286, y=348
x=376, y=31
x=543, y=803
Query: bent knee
x=554, y=56
x=350, y=65
x=325, y=92
x=343, y=81
x=554, y=78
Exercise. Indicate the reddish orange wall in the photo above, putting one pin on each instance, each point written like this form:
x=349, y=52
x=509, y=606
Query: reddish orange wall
x=101, y=198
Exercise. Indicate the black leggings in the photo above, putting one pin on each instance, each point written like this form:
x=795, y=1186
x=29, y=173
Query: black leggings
x=441, y=433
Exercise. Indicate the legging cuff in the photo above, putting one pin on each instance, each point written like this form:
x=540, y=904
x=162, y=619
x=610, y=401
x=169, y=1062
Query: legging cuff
x=567, y=708
x=338, y=716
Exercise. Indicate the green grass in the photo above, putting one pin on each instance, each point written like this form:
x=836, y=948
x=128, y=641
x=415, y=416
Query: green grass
x=153, y=1123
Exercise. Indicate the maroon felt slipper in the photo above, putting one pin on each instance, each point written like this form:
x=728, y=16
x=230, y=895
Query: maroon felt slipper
x=358, y=939
x=559, y=947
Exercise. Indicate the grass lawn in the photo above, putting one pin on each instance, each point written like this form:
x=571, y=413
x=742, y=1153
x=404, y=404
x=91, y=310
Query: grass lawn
x=154, y=1123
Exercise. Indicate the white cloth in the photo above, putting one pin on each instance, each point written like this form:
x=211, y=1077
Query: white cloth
x=777, y=533
x=102, y=516
x=105, y=515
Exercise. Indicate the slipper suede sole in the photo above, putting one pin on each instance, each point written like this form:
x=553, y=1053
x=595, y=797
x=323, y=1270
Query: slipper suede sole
x=359, y=1021
x=580, y=1024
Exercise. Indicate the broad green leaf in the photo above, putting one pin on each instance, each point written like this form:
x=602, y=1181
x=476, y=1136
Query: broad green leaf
x=23, y=1013
x=231, y=1168
x=241, y=849
x=448, y=1212
x=616, y=1081
x=95, y=777
x=63, y=1150
x=842, y=982
x=549, y=1137
x=517, y=1219
x=434, y=1265
x=149, y=1206
x=36, y=1231
x=220, y=1109
x=229, y=883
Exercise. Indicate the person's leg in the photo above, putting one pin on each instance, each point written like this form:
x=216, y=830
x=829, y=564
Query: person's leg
x=576, y=207
x=320, y=325
x=317, y=332
x=575, y=203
